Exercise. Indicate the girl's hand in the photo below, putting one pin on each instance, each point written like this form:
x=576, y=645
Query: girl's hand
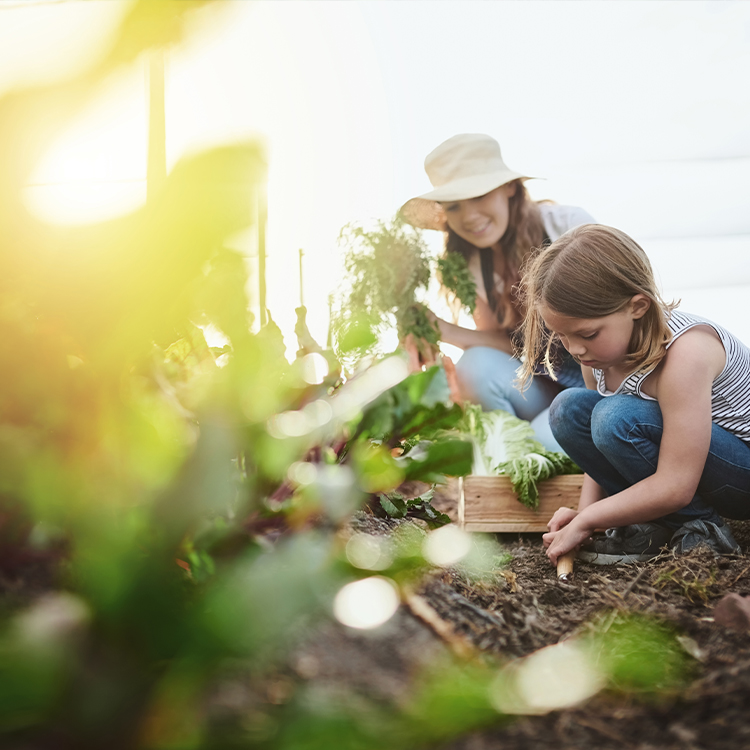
x=568, y=538
x=563, y=516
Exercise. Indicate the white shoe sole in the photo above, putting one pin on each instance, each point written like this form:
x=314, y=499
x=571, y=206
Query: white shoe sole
x=599, y=558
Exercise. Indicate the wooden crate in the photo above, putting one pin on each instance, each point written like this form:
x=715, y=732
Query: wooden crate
x=489, y=503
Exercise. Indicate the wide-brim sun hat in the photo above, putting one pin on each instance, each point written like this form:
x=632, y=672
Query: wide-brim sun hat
x=465, y=166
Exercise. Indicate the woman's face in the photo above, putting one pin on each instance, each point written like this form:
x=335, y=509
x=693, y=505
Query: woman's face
x=481, y=221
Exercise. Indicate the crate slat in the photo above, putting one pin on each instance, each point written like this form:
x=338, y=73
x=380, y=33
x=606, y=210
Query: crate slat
x=489, y=503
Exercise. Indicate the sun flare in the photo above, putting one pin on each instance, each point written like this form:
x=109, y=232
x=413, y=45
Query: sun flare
x=96, y=169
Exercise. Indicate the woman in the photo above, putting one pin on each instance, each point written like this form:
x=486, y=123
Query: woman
x=486, y=214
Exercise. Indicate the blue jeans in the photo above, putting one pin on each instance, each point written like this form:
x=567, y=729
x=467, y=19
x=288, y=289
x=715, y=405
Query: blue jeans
x=616, y=439
x=486, y=378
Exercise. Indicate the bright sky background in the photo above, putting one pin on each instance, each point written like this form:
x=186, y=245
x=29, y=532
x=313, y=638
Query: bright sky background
x=637, y=111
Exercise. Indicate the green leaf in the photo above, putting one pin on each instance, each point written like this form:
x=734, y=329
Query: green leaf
x=396, y=506
x=455, y=276
x=639, y=654
x=426, y=512
x=431, y=461
x=393, y=504
x=378, y=471
x=419, y=405
x=357, y=334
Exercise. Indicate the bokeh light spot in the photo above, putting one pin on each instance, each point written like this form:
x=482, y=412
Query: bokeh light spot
x=553, y=678
x=369, y=552
x=52, y=619
x=290, y=424
x=314, y=368
x=318, y=412
x=447, y=545
x=367, y=603
x=302, y=472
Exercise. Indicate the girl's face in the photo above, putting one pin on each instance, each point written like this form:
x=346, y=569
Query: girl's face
x=601, y=343
x=481, y=221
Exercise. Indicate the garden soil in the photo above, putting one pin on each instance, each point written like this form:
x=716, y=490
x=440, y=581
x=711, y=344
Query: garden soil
x=515, y=613
x=527, y=608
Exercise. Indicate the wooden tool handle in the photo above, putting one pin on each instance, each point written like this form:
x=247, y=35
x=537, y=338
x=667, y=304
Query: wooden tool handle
x=565, y=566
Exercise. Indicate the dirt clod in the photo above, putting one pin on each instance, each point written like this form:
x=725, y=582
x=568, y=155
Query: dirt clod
x=733, y=611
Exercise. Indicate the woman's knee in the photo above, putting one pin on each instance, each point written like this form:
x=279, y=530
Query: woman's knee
x=479, y=363
x=486, y=376
x=541, y=426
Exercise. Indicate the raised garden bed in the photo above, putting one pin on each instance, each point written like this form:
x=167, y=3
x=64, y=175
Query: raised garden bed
x=489, y=503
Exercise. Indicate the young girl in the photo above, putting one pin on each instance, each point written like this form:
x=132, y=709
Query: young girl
x=487, y=216
x=663, y=434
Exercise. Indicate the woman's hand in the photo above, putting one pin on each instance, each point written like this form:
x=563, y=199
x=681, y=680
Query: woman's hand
x=452, y=377
x=420, y=354
x=431, y=315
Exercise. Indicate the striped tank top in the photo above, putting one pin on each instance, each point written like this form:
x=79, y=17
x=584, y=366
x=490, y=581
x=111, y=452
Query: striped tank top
x=730, y=393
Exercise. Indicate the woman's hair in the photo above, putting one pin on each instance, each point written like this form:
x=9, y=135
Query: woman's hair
x=589, y=272
x=525, y=231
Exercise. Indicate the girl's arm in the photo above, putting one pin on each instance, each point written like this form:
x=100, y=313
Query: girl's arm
x=682, y=386
x=591, y=492
x=488, y=332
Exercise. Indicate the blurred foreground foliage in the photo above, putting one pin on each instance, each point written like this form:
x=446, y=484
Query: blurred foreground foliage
x=194, y=494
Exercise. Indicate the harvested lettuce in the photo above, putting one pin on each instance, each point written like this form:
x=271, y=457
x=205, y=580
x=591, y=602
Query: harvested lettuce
x=505, y=445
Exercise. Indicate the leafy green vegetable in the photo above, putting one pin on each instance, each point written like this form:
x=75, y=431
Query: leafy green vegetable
x=429, y=461
x=396, y=505
x=506, y=445
x=455, y=276
x=414, y=320
x=385, y=269
x=419, y=405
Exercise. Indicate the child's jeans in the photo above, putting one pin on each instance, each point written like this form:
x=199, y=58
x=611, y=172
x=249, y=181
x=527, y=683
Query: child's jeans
x=615, y=440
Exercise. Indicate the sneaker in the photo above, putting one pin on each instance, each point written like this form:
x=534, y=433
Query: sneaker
x=717, y=536
x=637, y=542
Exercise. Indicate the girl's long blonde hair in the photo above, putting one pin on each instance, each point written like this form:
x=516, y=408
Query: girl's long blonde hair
x=589, y=272
x=525, y=231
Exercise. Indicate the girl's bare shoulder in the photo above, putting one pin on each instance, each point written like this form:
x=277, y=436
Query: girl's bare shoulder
x=699, y=345
x=696, y=355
